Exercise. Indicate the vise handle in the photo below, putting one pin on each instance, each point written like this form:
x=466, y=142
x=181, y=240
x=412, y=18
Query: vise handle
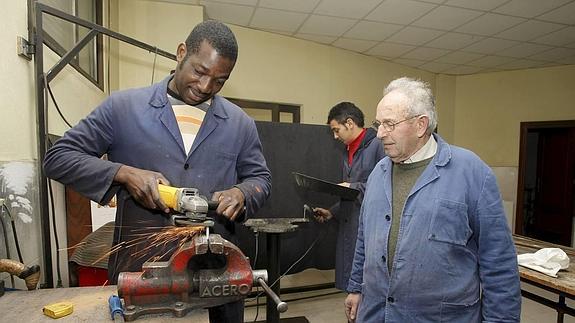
x=281, y=306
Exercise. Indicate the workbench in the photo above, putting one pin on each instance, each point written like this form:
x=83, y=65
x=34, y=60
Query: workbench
x=90, y=305
x=563, y=285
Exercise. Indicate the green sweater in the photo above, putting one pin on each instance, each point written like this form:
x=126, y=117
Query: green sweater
x=403, y=178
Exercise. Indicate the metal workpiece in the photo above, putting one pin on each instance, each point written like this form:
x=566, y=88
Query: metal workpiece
x=275, y=225
x=217, y=244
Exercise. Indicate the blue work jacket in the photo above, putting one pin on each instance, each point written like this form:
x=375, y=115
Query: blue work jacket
x=137, y=127
x=455, y=259
x=346, y=212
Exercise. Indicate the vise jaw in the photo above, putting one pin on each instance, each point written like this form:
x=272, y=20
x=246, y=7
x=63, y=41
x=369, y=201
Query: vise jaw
x=202, y=273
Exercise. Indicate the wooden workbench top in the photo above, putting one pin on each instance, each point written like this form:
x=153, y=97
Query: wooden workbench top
x=565, y=281
x=90, y=305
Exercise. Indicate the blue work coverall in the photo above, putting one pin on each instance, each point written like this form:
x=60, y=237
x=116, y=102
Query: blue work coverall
x=346, y=212
x=138, y=128
x=455, y=259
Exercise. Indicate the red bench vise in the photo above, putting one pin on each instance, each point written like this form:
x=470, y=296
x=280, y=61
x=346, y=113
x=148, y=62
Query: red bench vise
x=205, y=272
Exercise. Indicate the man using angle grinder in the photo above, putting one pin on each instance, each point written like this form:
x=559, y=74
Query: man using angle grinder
x=177, y=132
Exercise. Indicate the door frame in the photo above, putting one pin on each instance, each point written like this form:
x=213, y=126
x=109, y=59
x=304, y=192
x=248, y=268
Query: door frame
x=525, y=127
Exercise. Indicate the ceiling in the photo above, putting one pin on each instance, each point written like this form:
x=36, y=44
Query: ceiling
x=454, y=37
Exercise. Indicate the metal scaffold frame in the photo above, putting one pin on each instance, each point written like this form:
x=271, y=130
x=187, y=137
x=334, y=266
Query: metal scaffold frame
x=36, y=34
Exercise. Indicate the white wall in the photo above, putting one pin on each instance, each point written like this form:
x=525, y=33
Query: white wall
x=491, y=106
x=18, y=128
x=270, y=67
x=16, y=74
x=160, y=24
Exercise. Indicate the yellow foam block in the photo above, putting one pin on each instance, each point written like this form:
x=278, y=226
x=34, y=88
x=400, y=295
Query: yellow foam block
x=58, y=310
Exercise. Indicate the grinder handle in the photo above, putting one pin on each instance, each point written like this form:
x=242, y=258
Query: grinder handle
x=169, y=196
x=281, y=306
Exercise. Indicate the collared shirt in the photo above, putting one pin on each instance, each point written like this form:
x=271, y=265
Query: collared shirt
x=189, y=119
x=427, y=151
x=354, y=146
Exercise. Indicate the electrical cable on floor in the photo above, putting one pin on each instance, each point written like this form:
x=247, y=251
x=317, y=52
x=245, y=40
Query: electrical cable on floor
x=295, y=299
x=295, y=263
x=257, y=297
x=58, y=271
x=6, y=244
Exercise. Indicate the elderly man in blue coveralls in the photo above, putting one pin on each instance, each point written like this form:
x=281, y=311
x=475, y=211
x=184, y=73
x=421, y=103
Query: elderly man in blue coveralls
x=176, y=132
x=433, y=243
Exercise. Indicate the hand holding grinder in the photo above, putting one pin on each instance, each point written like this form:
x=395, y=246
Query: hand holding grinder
x=204, y=272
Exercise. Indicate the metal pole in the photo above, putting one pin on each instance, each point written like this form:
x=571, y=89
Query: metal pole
x=105, y=31
x=41, y=150
x=273, y=255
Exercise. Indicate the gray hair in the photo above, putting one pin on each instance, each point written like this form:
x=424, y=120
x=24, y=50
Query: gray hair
x=420, y=100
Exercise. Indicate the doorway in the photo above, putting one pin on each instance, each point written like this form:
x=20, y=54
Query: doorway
x=267, y=111
x=546, y=185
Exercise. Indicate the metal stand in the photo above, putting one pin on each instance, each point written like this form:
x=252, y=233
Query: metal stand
x=273, y=267
x=272, y=228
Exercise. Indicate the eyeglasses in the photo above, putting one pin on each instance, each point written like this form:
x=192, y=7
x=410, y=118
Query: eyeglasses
x=390, y=126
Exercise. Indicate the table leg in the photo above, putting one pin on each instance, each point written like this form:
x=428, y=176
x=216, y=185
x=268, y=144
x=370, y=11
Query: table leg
x=560, y=313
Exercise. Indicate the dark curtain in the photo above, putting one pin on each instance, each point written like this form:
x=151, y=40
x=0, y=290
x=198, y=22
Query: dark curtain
x=307, y=149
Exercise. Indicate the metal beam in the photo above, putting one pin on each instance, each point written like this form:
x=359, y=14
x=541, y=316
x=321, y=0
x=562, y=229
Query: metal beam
x=41, y=148
x=64, y=60
x=105, y=31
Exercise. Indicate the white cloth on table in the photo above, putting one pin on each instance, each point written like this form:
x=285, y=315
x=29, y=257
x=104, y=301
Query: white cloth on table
x=547, y=260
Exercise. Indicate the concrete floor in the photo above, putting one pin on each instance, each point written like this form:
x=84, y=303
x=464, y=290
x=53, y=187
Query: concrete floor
x=329, y=308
